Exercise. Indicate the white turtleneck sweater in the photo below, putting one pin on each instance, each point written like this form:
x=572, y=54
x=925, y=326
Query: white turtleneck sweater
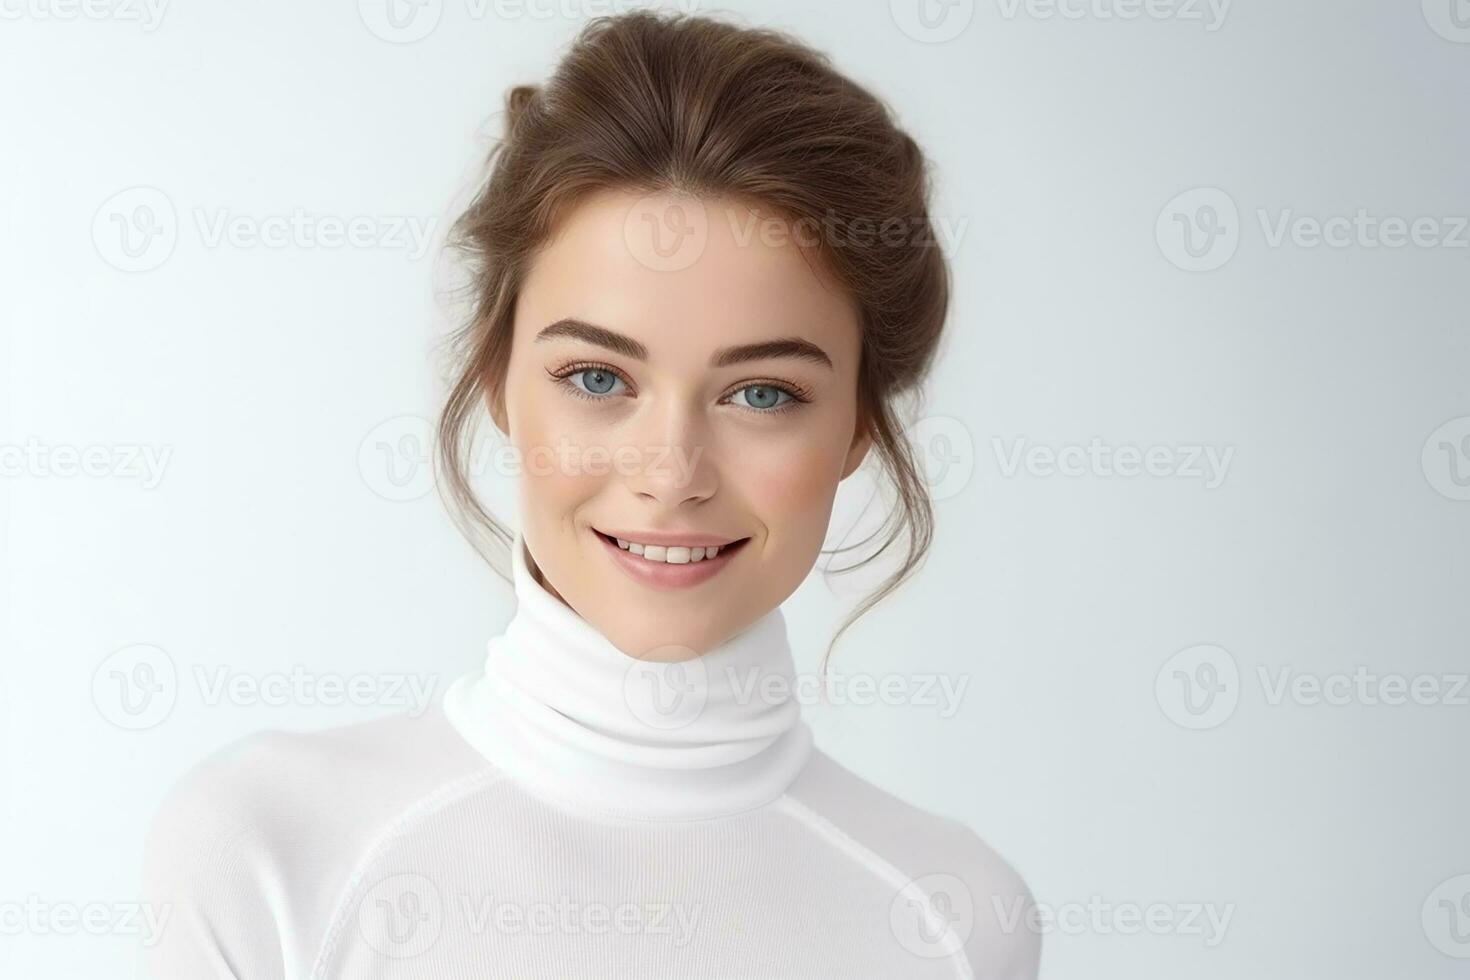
x=567, y=812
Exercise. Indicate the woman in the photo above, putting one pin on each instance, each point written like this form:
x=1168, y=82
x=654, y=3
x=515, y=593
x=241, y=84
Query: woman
x=703, y=274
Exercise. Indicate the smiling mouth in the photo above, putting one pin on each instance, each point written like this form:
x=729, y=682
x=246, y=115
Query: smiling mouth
x=673, y=555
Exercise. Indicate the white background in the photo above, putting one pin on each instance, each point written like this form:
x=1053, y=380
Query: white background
x=1335, y=539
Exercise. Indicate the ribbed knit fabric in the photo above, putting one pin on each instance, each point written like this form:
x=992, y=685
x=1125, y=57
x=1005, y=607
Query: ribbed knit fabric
x=569, y=714
x=567, y=812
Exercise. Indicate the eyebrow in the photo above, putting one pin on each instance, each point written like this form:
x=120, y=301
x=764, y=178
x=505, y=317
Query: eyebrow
x=724, y=357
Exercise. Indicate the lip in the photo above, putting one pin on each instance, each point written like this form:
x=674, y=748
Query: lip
x=662, y=575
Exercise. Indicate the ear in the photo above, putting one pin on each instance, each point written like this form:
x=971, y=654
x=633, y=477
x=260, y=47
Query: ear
x=862, y=441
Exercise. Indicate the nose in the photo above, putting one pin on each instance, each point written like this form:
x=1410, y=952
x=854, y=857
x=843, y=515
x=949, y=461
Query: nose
x=675, y=461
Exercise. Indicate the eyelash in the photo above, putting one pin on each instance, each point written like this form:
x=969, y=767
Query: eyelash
x=799, y=395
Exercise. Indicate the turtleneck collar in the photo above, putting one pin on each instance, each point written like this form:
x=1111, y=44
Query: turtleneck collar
x=574, y=719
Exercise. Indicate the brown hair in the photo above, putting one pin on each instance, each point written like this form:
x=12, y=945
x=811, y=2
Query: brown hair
x=672, y=101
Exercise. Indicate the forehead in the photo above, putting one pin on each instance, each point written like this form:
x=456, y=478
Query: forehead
x=718, y=273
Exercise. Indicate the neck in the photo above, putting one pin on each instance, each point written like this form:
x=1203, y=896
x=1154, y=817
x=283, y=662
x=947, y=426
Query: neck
x=572, y=718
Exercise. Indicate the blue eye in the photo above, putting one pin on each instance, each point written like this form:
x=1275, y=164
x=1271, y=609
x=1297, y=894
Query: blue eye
x=766, y=397
x=597, y=382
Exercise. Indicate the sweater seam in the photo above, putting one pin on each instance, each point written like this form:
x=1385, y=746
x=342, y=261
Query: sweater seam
x=392, y=830
x=874, y=862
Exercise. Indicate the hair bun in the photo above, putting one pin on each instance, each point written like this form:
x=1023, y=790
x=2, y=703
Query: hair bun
x=516, y=101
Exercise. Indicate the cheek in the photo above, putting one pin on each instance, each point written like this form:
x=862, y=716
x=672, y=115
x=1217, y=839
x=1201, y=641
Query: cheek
x=793, y=484
x=550, y=443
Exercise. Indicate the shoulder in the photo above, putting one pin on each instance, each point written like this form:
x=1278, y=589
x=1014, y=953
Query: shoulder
x=938, y=859
x=278, y=784
x=254, y=844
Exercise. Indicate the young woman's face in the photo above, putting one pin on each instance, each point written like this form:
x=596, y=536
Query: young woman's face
x=639, y=408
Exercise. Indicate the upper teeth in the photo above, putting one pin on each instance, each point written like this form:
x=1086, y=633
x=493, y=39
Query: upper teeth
x=673, y=554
